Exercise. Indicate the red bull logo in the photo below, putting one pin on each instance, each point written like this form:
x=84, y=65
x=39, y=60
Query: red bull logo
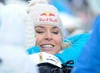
x=47, y=17
x=47, y=14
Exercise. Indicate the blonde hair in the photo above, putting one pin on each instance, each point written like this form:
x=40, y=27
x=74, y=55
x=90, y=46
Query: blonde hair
x=66, y=44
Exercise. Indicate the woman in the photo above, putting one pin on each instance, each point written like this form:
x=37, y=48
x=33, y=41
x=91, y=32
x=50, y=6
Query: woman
x=49, y=32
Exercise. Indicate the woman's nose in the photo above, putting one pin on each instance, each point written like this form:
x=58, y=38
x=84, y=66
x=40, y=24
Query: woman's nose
x=48, y=36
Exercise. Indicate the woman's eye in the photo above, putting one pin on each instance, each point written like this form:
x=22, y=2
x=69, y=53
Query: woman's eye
x=39, y=32
x=55, y=32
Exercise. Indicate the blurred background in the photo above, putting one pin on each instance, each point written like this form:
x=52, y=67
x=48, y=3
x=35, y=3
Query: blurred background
x=77, y=15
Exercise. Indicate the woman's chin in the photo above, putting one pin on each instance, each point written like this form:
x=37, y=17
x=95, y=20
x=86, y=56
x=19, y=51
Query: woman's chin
x=50, y=51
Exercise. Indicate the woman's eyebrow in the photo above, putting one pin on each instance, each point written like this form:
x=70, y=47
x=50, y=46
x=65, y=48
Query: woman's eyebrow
x=55, y=27
x=39, y=27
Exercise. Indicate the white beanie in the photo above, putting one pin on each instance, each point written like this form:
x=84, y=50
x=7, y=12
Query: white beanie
x=43, y=13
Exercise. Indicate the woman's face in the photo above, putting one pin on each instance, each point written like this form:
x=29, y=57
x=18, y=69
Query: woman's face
x=48, y=38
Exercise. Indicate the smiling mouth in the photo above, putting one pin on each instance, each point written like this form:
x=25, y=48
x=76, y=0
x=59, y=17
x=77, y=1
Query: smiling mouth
x=46, y=47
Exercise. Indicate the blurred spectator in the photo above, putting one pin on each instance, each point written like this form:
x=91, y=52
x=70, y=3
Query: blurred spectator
x=82, y=9
x=89, y=60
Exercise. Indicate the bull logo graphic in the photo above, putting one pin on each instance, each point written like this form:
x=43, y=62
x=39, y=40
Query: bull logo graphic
x=47, y=17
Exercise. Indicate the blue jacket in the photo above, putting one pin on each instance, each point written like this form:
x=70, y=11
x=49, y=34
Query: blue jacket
x=89, y=60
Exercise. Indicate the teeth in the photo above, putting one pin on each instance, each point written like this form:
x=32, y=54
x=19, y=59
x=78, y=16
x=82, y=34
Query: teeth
x=47, y=46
